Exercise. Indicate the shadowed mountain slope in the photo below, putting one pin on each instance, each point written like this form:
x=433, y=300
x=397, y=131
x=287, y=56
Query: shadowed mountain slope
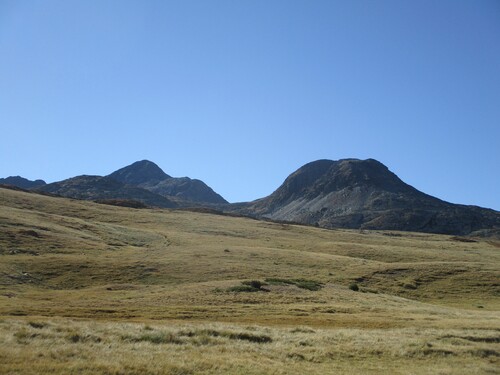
x=187, y=189
x=147, y=175
x=98, y=188
x=140, y=172
x=352, y=193
x=21, y=182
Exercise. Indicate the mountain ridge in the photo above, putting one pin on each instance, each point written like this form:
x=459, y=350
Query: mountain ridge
x=89, y=187
x=21, y=182
x=143, y=181
x=346, y=193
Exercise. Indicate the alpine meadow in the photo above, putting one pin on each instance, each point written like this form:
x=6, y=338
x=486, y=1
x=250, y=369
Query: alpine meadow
x=91, y=288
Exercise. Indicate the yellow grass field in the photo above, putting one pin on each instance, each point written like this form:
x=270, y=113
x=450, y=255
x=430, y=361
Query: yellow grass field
x=96, y=289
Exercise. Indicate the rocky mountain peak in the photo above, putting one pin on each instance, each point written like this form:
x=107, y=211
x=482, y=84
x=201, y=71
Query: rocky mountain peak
x=353, y=193
x=322, y=177
x=147, y=175
x=140, y=172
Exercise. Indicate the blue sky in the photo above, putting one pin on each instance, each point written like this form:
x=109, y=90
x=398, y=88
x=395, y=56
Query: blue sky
x=242, y=93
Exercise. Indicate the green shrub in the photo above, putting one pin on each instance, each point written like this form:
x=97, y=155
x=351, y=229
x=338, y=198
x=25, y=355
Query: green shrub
x=275, y=281
x=354, y=287
x=308, y=284
x=300, y=283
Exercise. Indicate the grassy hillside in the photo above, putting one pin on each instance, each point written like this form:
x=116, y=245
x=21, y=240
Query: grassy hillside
x=162, y=291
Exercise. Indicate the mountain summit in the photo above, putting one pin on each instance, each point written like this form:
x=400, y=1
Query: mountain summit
x=353, y=193
x=323, y=177
x=147, y=175
x=140, y=172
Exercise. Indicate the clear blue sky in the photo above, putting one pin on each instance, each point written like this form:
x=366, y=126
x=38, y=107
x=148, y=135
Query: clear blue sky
x=242, y=93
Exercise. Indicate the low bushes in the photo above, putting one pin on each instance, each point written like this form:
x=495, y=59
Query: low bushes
x=300, y=283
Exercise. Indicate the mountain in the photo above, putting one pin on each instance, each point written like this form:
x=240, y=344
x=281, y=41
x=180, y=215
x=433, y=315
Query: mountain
x=21, y=182
x=187, y=189
x=364, y=194
x=101, y=188
x=140, y=172
x=147, y=175
x=347, y=193
x=142, y=181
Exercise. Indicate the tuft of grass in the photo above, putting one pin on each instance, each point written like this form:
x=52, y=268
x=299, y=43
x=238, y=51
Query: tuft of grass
x=260, y=339
x=242, y=336
x=37, y=325
x=302, y=330
x=79, y=338
x=24, y=336
x=155, y=338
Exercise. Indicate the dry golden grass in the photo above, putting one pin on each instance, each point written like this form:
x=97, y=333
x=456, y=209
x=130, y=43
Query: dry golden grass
x=83, y=347
x=89, y=288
